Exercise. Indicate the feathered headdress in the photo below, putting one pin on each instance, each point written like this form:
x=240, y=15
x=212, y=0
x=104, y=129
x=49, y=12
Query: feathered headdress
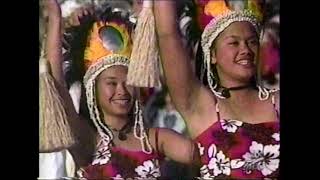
x=55, y=132
x=144, y=71
x=109, y=44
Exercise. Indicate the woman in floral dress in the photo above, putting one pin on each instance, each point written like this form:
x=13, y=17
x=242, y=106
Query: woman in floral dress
x=234, y=119
x=119, y=146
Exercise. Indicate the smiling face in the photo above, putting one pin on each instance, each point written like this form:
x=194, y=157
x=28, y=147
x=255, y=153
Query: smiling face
x=235, y=52
x=114, y=96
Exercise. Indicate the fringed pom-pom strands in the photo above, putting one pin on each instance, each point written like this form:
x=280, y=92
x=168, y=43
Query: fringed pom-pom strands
x=54, y=129
x=144, y=70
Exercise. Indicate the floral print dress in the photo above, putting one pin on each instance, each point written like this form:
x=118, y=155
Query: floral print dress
x=232, y=149
x=118, y=163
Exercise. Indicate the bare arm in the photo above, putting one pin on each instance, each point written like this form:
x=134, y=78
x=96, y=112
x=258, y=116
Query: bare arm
x=193, y=100
x=182, y=83
x=85, y=135
x=54, y=41
x=175, y=146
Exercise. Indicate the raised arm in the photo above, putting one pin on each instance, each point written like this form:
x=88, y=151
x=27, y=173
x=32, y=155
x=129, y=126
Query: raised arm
x=82, y=151
x=54, y=41
x=190, y=97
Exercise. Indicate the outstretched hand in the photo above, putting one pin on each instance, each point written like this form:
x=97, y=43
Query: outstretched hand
x=53, y=8
x=81, y=13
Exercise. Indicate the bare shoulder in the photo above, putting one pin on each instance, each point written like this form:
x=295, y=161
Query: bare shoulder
x=175, y=146
x=277, y=94
x=277, y=99
x=164, y=134
x=206, y=97
x=204, y=112
x=158, y=135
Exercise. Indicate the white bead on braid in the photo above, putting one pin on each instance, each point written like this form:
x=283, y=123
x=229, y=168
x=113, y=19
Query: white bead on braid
x=89, y=82
x=141, y=133
x=210, y=78
x=264, y=93
x=211, y=32
x=100, y=121
x=95, y=115
x=103, y=130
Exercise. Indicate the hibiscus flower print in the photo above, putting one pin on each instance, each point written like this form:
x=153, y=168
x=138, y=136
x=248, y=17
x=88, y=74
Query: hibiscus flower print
x=102, y=156
x=118, y=177
x=201, y=149
x=276, y=136
x=230, y=125
x=149, y=169
x=80, y=173
x=220, y=164
x=204, y=173
x=262, y=158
